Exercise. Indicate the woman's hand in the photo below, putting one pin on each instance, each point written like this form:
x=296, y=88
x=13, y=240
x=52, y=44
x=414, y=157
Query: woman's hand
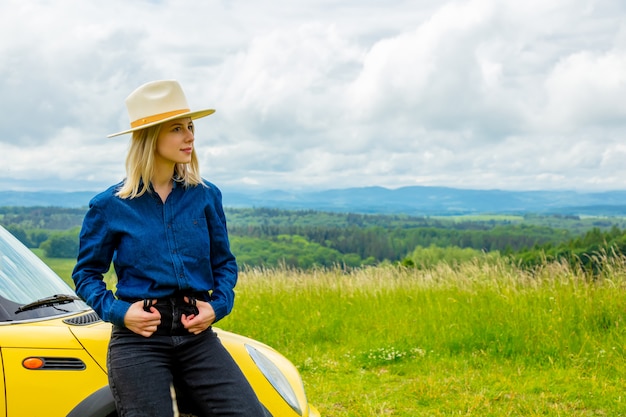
x=197, y=323
x=140, y=321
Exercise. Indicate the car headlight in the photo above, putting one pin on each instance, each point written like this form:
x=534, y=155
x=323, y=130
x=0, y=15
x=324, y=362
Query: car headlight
x=275, y=377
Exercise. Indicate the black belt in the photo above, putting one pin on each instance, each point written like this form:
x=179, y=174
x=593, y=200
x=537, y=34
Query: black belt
x=171, y=309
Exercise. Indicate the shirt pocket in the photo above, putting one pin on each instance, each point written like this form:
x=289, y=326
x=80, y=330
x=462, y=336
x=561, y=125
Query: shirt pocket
x=192, y=238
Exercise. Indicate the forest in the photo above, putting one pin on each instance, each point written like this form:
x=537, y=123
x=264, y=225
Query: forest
x=305, y=239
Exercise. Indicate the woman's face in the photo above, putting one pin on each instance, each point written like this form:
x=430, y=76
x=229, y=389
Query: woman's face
x=175, y=142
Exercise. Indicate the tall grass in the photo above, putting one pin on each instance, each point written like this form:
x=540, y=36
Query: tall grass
x=479, y=338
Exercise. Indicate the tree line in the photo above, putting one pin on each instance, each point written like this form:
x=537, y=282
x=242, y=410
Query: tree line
x=307, y=238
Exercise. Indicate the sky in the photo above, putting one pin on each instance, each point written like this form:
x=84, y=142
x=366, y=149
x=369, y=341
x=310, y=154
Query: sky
x=321, y=94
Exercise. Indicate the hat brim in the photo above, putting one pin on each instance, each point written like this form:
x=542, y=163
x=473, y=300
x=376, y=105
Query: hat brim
x=192, y=114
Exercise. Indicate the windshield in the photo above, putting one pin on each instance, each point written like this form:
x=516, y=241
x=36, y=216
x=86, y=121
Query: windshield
x=24, y=279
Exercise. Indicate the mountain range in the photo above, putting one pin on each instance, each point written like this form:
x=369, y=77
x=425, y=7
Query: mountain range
x=414, y=200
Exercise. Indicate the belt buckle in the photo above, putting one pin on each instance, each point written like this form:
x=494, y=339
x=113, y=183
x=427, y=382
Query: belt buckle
x=192, y=305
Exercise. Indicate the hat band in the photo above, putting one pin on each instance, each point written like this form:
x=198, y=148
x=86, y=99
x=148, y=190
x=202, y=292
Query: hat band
x=155, y=118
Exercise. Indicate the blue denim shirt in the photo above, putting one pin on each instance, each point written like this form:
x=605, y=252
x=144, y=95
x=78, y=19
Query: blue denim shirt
x=156, y=248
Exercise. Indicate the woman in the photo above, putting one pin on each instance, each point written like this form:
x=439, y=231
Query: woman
x=164, y=229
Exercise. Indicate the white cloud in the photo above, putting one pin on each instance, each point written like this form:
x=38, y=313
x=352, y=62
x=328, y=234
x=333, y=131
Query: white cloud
x=587, y=88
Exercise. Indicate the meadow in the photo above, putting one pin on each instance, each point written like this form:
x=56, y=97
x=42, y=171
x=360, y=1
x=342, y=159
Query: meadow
x=478, y=338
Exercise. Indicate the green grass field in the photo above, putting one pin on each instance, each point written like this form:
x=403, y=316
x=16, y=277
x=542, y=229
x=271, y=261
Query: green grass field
x=479, y=339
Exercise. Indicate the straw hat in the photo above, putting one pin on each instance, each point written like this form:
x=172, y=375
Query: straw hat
x=157, y=102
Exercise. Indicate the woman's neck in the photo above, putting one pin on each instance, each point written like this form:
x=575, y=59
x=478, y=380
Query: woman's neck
x=162, y=183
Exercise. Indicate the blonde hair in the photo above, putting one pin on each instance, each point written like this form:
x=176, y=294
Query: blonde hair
x=140, y=165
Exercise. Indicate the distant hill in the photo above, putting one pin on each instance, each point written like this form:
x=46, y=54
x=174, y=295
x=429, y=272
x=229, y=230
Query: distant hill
x=46, y=198
x=416, y=200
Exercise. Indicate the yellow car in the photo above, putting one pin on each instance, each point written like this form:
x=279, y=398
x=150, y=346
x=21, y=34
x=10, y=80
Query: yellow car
x=53, y=350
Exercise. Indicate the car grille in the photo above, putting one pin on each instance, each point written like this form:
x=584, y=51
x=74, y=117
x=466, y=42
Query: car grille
x=83, y=320
x=68, y=364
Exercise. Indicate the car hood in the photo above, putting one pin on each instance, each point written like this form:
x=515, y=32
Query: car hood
x=69, y=332
x=42, y=335
x=95, y=339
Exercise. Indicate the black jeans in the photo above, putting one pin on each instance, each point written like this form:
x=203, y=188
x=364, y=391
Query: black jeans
x=142, y=371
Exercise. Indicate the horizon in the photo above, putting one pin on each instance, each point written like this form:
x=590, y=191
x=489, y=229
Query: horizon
x=301, y=190
x=413, y=201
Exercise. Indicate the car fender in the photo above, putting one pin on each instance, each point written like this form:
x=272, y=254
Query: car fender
x=98, y=404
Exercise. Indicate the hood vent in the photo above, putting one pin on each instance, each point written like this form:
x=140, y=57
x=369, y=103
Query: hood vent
x=83, y=320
